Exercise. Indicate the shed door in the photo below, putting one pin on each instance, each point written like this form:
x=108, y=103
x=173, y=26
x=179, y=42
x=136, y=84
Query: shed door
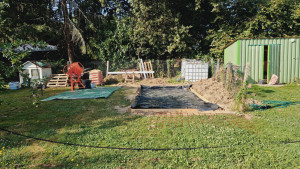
x=274, y=60
x=256, y=60
x=34, y=74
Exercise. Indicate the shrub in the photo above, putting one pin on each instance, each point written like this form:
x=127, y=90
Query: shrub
x=113, y=79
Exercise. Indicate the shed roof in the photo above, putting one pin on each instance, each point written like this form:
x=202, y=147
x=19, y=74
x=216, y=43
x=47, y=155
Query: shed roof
x=39, y=64
x=230, y=43
x=33, y=48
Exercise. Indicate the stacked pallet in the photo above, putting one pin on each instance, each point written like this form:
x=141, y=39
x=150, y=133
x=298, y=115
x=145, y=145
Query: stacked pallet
x=145, y=67
x=148, y=67
x=96, y=77
x=58, y=80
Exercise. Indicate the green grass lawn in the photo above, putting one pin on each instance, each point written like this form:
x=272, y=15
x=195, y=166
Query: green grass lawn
x=255, y=143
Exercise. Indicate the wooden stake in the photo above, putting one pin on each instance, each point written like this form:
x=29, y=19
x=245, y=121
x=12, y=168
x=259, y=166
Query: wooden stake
x=107, y=68
x=151, y=69
x=247, y=72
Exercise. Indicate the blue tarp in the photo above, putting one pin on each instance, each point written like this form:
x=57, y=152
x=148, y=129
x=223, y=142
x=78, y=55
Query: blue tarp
x=100, y=92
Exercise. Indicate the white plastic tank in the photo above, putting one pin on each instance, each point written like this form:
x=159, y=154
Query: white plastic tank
x=194, y=70
x=14, y=85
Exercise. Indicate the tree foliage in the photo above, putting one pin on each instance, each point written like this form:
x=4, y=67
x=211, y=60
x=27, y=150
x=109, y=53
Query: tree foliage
x=157, y=32
x=252, y=19
x=278, y=18
x=164, y=29
x=117, y=46
x=28, y=20
x=14, y=55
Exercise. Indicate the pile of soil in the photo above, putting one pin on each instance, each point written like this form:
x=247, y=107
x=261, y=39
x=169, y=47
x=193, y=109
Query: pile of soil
x=215, y=92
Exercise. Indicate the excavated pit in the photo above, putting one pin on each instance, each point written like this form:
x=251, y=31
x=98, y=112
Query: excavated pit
x=170, y=97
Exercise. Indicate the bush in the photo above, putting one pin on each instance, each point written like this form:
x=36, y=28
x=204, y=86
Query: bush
x=2, y=83
x=241, y=99
x=113, y=79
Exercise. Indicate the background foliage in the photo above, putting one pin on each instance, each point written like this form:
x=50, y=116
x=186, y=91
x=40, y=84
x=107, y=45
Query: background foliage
x=122, y=30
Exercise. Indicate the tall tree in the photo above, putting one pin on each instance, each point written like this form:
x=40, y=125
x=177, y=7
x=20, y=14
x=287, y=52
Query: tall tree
x=276, y=18
x=197, y=15
x=28, y=20
x=67, y=32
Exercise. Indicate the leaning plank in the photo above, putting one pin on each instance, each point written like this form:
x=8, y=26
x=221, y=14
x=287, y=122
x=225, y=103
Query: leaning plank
x=201, y=97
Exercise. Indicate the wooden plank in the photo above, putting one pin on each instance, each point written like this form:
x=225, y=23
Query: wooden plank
x=107, y=68
x=58, y=80
x=143, y=69
x=201, y=97
x=146, y=69
x=151, y=68
x=184, y=112
x=57, y=86
x=57, y=77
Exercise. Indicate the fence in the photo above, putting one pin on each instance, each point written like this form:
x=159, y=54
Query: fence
x=190, y=70
x=235, y=80
x=232, y=76
x=162, y=68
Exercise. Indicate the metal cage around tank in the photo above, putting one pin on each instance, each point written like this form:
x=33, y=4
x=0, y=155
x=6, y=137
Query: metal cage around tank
x=194, y=70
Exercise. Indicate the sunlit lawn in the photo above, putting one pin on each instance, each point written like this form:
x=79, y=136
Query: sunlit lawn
x=256, y=143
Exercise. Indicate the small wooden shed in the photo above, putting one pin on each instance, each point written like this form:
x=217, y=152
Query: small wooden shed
x=36, y=70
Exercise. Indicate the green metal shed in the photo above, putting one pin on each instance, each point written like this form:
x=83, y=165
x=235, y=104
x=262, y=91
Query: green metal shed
x=279, y=56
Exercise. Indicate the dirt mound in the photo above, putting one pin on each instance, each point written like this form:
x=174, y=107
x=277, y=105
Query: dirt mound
x=214, y=92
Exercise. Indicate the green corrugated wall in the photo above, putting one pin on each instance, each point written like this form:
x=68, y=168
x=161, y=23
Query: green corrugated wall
x=239, y=53
x=231, y=54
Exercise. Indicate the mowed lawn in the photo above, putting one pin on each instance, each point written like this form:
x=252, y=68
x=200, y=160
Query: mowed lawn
x=270, y=139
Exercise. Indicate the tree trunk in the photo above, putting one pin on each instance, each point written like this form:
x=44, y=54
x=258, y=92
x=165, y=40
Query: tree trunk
x=67, y=32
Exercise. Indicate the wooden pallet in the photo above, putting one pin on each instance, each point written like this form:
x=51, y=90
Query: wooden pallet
x=147, y=67
x=58, y=80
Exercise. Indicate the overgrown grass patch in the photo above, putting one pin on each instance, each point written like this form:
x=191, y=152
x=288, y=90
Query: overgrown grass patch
x=95, y=122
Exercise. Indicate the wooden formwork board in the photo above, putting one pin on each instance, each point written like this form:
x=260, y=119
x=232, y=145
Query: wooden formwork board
x=198, y=95
x=170, y=112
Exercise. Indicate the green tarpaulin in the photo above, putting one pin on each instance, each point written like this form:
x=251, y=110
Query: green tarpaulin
x=100, y=92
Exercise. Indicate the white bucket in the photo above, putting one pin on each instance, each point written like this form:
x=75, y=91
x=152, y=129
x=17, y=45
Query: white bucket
x=93, y=85
x=14, y=85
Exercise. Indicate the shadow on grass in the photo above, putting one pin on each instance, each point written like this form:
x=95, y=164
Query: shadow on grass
x=266, y=91
x=261, y=92
x=117, y=122
x=47, y=120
